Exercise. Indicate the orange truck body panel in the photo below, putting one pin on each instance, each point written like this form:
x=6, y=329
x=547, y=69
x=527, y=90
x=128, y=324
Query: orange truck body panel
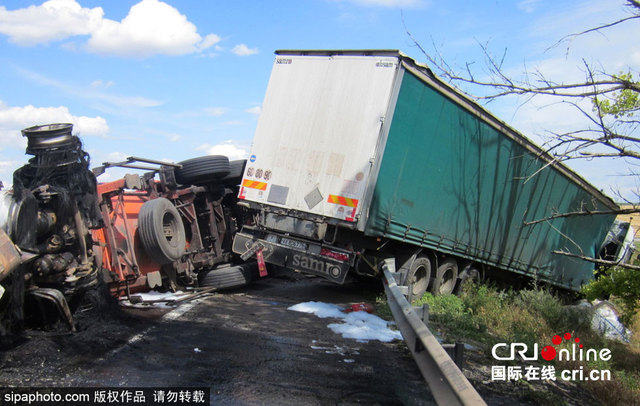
x=123, y=221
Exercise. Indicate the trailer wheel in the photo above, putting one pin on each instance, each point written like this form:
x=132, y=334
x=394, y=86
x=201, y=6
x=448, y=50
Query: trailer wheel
x=161, y=230
x=446, y=277
x=229, y=277
x=202, y=170
x=418, y=277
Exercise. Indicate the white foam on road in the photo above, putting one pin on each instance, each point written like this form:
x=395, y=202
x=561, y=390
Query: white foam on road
x=322, y=310
x=360, y=326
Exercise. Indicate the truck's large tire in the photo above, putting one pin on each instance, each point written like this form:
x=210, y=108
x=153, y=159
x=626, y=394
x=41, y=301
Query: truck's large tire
x=161, y=230
x=446, y=277
x=418, y=277
x=235, y=173
x=230, y=277
x=202, y=170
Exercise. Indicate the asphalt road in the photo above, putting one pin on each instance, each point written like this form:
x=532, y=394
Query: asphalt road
x=244, y=345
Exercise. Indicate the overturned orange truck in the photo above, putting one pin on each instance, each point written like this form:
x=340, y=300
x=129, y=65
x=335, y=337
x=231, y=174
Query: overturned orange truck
x=63, y=234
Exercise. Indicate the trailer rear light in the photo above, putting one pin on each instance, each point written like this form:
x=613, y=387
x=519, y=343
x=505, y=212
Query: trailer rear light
x=340, y=256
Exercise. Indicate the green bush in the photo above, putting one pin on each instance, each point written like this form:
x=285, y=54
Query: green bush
x=623, y=284
x=488, y=315
x=527, y=316
x=450, y=312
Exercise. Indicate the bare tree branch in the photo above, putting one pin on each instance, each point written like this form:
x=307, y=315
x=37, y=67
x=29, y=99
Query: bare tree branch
x=597, y=261
x=633, y=210
x=634, y=4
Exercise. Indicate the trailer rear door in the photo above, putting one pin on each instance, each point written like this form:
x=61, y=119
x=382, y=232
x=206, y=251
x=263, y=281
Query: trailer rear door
x=317, y=134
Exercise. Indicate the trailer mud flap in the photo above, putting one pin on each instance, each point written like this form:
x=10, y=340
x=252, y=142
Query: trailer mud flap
x=294, y=258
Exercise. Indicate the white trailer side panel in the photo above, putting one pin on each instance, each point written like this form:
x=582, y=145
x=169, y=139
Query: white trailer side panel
x=317, y=133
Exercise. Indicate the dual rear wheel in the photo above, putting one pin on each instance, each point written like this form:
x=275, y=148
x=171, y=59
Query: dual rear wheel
x=420, y=278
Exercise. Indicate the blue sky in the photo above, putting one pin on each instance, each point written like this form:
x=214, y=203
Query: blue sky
x=176, y=79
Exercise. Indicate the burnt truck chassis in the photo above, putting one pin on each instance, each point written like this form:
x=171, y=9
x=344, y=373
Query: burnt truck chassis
x=59, y=229
x=48, y=216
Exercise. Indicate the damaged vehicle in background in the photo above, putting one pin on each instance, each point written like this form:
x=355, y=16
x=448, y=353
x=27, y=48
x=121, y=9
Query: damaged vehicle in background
x=62, y=234
x=173, y=226
x=48, y=214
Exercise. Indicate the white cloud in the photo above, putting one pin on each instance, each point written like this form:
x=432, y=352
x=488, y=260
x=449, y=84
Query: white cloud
x=243, y=50
x=254, y=110
x=53, y=20
x=226, y=148
x=14, y=119
x=209, y=41
x=90, y=125
x=6, y=172
x=151, y=27
x=215, y=111
x=117, y=156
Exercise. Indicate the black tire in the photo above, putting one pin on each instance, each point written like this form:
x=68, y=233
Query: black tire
x=202, y=170
x=235, y=173
x=229, y=277
x=446, y=277
x=418, y=277
x=161, y=230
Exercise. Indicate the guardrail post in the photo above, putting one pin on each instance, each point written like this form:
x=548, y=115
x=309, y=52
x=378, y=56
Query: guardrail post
x=448, y=384
x=422, y=312
x=456, y=352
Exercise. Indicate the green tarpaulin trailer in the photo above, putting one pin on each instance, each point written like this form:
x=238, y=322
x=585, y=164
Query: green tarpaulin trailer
x=359, y=155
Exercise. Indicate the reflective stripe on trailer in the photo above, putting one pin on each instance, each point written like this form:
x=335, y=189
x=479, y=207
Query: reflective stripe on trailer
x=344, y=201
x=254, y=184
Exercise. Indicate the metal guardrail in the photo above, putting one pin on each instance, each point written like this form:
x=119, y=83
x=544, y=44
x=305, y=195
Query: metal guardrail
x=447, y=383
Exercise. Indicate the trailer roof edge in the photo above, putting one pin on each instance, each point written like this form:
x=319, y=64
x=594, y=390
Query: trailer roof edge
x=423, y=72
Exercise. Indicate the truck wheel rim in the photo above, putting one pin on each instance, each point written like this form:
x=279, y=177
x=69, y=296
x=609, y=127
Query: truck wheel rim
x=419, y=281
x=447, y=282
x=169, y=227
